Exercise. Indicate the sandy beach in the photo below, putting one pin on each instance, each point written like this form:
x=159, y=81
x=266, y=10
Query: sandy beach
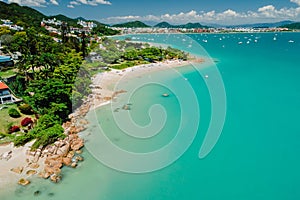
x=15, y=163
x=103, y=84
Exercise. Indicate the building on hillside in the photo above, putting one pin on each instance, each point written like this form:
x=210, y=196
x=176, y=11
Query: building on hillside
x=6, y=96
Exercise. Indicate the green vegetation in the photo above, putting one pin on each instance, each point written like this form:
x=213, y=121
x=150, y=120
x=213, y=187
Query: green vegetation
x=25, y=109
x=292, y=26
x=46, y=74
x=12, y=112
x=21, y=15
x=7, y=122
x=28, y=17
x=121, y=54
x=101, y=30
x=7, y=73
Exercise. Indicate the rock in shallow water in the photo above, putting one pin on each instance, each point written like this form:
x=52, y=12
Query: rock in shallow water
x=36, y=193
x=23, y=181
x=31, y=172
x=55, y=178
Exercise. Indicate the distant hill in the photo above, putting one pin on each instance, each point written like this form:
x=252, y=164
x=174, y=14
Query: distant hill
x=21, y=15
x=164, y=25
x=295, y=25
x=28, y=17
x=188, y=25
x=192, y=25
x=134, y=24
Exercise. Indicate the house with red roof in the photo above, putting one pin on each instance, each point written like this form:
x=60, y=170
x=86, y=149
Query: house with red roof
x=6, y=96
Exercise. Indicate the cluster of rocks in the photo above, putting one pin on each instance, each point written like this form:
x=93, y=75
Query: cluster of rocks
x=78, y=115
x=62, y=153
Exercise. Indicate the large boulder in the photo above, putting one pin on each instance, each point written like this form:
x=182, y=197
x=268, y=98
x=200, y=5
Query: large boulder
x=67, y=161
x=63, y=151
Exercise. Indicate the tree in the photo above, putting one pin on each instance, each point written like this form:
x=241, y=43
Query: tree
x=50, y=96
x=6, y=39
x=4, y=30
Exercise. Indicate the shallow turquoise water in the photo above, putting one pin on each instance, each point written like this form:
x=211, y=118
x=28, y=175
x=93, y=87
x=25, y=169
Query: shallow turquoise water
x=257, y=155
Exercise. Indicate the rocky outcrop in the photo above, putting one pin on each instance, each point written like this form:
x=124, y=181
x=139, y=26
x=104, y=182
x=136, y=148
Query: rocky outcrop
x=61, y=153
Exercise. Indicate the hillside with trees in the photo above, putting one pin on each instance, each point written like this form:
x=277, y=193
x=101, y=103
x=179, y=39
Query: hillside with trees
x=28, y=17
x=134, y=24
x=21, y=15
x=46, y=73
x=292, y=26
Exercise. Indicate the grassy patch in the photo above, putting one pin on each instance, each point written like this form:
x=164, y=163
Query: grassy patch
x=6, y=121
x=7, y=73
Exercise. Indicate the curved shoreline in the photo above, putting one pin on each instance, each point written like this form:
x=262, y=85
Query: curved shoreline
x=102, y=93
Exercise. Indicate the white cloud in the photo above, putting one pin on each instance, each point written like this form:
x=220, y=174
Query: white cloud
x=54, y=2
x=88, y=2
x=266, y=13
x=36, y=3
x=296, y=2
x=74, y=3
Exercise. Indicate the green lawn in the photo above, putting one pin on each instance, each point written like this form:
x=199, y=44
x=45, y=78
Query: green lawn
x=6, y=120
x=7, y=73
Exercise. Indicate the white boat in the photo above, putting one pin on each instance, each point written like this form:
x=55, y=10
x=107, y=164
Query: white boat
x=291, y=41
x=240, y=42
x=274, y=38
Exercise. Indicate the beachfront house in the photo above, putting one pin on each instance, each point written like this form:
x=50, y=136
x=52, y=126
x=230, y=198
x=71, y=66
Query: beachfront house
x=6, y=96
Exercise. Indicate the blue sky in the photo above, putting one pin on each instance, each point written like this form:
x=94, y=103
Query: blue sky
x=172, y=11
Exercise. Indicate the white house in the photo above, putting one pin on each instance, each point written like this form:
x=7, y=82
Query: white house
x=6, y=95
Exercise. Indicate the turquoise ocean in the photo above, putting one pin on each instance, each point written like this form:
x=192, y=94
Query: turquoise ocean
x=257, y=155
